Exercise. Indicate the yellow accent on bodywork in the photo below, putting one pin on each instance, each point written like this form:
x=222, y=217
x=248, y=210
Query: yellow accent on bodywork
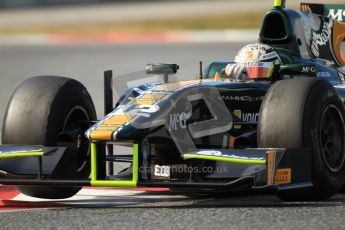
x=217, y=76
x=150, y=99
x=145, y=102
x=114, y=183
x=118, y=120
x=93, y=161
x=279, y=3
x=270, y=166
x=21, y=154
x=155, y=96
x=237, y=113
x=105, y=130
x=101, y=135
x=225, y=159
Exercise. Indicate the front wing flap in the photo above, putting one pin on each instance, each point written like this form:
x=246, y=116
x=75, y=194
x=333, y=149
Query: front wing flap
x=282, y=168
x=29, y=160
x=12, y=151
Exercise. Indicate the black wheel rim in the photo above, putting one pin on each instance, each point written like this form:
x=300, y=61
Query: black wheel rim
x=72, y=122
x=332, y=137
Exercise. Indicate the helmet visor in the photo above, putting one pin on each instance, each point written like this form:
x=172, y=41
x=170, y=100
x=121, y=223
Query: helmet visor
x=259, y=70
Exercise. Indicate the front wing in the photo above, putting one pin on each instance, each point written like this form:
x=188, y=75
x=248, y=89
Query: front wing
x=259, y=168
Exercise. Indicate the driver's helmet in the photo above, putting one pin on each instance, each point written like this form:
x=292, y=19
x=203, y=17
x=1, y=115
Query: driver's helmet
x=260, y=61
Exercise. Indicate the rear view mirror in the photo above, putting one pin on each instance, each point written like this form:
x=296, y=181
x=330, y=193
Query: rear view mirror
x=161, y=68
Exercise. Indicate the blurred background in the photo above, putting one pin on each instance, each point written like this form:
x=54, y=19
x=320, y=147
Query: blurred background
x=97, y=16
x=31, y=3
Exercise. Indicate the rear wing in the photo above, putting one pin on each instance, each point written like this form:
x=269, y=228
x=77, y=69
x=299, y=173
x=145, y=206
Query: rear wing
x=332, y=19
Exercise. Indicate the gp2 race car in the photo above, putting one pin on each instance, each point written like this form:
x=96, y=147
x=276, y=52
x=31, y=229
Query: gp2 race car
x=285, y=134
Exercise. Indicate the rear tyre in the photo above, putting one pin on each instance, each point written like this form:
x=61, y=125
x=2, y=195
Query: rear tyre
x=42, y=108
x=307, y=113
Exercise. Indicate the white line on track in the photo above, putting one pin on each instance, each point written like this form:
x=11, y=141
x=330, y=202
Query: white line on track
x=92, y=198
x=211, y=36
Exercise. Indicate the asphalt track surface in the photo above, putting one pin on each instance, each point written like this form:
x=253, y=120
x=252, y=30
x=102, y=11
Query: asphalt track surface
x=168, y=210
x=146, y=210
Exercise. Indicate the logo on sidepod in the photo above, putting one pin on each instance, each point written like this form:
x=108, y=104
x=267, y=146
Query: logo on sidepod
x=177, y=121
x=247, y=117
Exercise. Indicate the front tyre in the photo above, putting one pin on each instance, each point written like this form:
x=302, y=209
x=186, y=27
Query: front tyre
x=307, y=113
x=41, y=109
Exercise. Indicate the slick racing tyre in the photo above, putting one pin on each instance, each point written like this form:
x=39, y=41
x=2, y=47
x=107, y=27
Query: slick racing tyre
x=41, y=109
x=307, y=113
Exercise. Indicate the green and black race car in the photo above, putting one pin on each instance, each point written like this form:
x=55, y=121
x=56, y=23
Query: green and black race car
x=279, y=126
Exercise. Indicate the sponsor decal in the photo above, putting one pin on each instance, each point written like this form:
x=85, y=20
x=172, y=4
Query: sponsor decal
x=220, y=154
x=283, y=176
x=143, y=110
x=257, y=64
x=247, y=117
x=308, y=69
x=250, y=117
x=149, y=67
x=162, y=171
x=270, y=56
x=327, y=62
x=250, y=55
x=178, y=120
x=320, y=38
x=243, y=98
x=324, y=74
x=342, y=77
x=336, y=14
